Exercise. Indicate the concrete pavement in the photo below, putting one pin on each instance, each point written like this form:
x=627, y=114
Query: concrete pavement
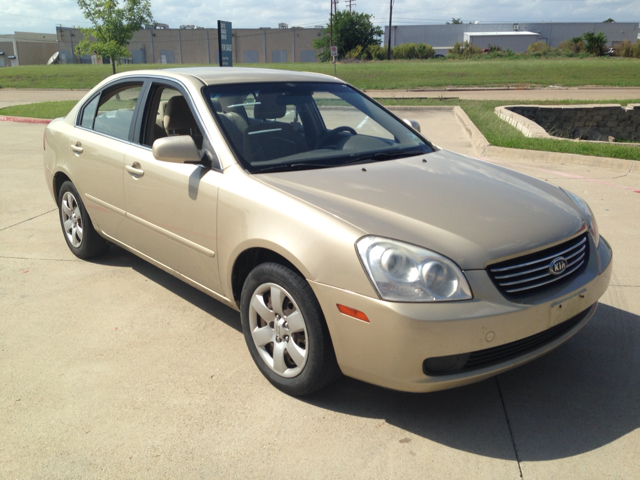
x=114, y=368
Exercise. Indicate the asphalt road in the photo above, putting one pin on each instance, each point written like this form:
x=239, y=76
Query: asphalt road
x=115, y=369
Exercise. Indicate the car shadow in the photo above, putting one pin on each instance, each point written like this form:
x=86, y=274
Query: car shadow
x=118, y=257
x=580, y=397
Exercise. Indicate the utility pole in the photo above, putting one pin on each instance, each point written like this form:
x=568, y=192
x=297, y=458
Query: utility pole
x=334, y=9
x=350, y=2
x=390, y=12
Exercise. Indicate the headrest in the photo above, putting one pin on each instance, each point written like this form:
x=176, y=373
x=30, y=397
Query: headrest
x=177, y=114
x=216, y=105
x=267, y=107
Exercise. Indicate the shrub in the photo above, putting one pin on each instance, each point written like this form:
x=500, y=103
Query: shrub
x=501, y=54
x=628, y=49
x=595, y=43
x=464, y=50
x=425, y=51
x=408, y=51
x=571, y=47
x=375, y=52
x=354, y=53
x=540, y=48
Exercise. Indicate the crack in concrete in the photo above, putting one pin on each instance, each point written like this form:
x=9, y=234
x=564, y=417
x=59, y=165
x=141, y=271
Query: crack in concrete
x=629, y=172
x=28, y=219
x=43, y=259
x=506, y=416
x=628, y=286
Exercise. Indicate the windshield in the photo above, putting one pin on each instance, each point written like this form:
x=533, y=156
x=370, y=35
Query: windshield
x=292, y=126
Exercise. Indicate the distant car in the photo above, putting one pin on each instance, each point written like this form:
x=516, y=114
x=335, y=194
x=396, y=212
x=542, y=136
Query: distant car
x=347, y=241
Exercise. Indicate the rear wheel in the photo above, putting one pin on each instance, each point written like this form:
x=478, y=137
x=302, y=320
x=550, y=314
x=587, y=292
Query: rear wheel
x=285, y=330
x=82, y=239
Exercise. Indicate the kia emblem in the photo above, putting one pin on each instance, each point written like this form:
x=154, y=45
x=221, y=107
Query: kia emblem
x=558, y=265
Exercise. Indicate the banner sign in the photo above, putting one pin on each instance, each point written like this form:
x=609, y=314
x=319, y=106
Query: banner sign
x=225, y=45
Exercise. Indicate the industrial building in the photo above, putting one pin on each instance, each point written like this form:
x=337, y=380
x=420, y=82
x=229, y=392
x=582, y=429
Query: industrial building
x=23, y=48
x=513, y=36
x=200, y=45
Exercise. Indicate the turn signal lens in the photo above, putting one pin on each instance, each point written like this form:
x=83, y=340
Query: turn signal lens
x=352, y=312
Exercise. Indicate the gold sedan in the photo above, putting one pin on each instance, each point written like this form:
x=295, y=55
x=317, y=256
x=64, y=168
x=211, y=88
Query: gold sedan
x=347, y=241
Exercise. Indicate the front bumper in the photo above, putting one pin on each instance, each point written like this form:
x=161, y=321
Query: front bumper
x=390, y=350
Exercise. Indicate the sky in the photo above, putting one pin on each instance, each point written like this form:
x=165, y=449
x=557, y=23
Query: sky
x=42, y=16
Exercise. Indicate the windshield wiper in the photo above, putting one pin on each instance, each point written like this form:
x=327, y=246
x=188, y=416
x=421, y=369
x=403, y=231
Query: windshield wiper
x=365, y=158
x=295, y=166
x=382, y=156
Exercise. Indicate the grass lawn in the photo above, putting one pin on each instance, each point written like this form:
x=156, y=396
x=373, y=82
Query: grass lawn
x=604, y=71
x=40, y=110
x=497, y=132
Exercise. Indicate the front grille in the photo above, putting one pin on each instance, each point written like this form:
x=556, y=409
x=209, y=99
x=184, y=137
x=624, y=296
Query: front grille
x=492, y=356
x=531, y=273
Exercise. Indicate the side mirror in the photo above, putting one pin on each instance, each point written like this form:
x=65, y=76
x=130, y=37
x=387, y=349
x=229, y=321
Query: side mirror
x=179, y=149
x=413, y=124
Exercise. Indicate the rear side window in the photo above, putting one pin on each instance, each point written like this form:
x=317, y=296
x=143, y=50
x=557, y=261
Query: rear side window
x=115, y=111
x=89, y=113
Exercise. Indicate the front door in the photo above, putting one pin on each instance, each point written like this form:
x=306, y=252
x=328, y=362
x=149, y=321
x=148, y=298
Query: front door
x=171, y=208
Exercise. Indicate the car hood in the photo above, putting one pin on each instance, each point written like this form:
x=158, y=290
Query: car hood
x=469, y=210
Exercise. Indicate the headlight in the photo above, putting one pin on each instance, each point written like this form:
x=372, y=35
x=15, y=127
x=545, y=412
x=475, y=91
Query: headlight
x=405, y=273
x=591, y=219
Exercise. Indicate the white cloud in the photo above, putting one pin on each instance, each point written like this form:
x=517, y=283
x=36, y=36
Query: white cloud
x=42, y=16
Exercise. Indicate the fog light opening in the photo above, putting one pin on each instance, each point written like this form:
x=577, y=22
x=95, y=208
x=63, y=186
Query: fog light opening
x=447, y=364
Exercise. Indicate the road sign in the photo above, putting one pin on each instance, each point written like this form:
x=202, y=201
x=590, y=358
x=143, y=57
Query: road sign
x=225, y=45
x=334, y=51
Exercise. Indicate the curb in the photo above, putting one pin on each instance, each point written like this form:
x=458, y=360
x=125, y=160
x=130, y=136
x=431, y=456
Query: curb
x=485, y=149
x=6, y=118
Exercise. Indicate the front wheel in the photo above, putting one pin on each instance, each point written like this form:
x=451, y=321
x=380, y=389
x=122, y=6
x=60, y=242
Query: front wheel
x=82, y=239
x=285, y=330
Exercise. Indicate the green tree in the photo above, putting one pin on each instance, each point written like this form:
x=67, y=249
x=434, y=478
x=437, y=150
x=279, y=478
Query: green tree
x=609, y=20
x=456, y=21
x=350, y=30
x=114, y=23
x=595, y=43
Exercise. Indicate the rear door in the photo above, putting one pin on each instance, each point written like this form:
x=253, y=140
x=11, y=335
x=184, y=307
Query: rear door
x=103, y=131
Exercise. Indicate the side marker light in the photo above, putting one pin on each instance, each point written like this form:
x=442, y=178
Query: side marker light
x=352, y=312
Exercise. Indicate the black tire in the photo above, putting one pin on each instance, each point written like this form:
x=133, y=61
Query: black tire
x=300, y=307
x=82, y=239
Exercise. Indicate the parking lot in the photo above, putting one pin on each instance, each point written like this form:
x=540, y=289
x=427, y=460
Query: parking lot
x=115, y=369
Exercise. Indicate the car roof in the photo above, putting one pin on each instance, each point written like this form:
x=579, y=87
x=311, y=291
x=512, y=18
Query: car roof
x=231, y=75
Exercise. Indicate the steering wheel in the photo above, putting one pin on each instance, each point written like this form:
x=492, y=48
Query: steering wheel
x=330, y=136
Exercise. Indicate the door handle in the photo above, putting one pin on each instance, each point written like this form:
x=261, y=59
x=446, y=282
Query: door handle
x=135, y=169
x=77, y=148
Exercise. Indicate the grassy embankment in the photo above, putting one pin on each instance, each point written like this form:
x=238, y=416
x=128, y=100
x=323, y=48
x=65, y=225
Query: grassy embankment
x=615, y=72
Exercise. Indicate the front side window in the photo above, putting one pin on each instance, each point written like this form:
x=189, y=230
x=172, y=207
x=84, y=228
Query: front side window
x=169, y=115
x=115, y=111
x=292, y=126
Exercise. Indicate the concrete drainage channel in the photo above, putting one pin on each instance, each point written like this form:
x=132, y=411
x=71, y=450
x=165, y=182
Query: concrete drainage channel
x=600, y=123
